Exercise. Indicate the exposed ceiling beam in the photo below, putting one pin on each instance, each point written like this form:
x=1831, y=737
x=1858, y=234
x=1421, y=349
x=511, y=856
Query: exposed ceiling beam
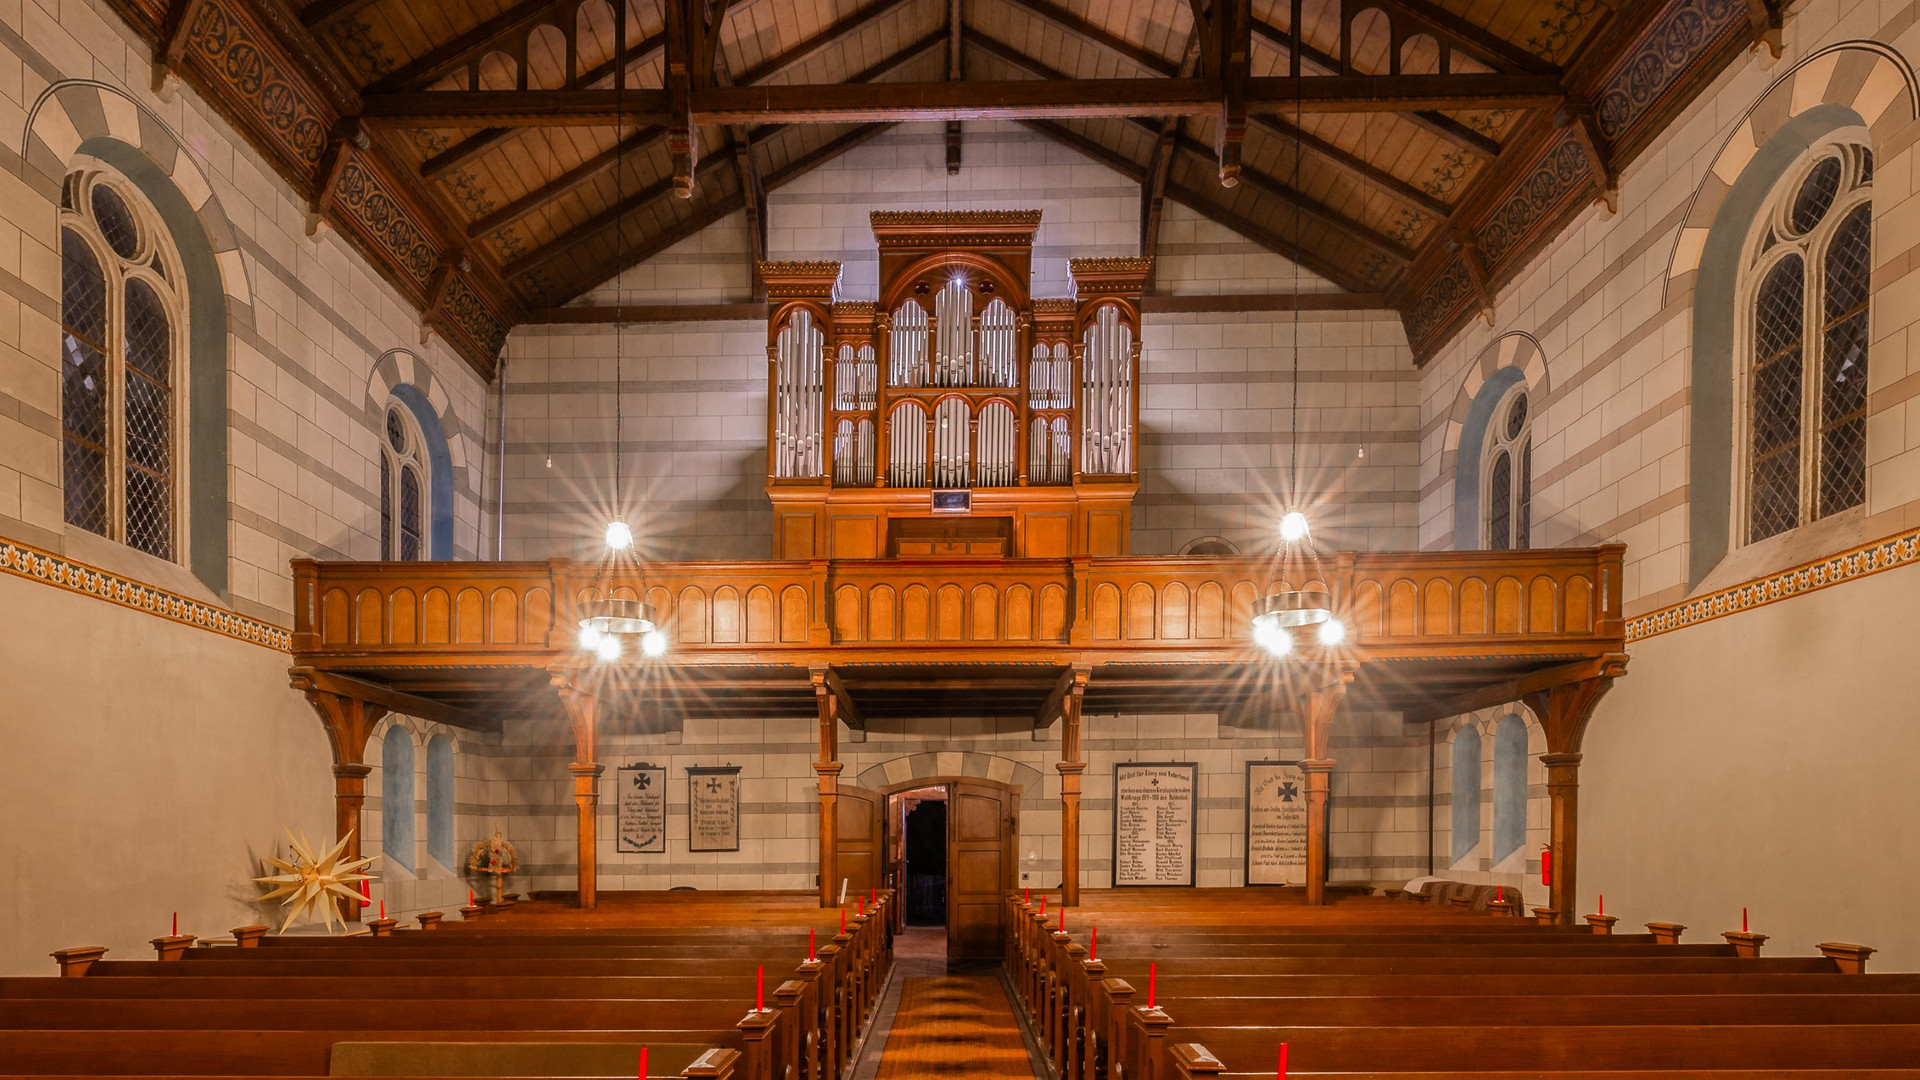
x=590, y=228
x=1497, y=52
x=467, y=48
x=1353, y=165
x=811, y=47
x=560, y=185
x=1512, y=690
x=1153, y=190
x=850, y=713
x=1099, y=35
x=393, y=700
x=1022, y=99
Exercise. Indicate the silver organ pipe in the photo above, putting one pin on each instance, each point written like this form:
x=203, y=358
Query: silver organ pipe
x=998, y=429
x=1039, y=471
x=863, y=453
x=907, y=341
x=907, y=446
x=846, y=385
x=799, y=379
x=1039, y=371
x=953, y=335
x=1062, y=378
x=1062, y=456
x=866, y=393
x=853, y=453
x=1107, y=396
x=998, y=340
x=952, y=444
x=843, y=463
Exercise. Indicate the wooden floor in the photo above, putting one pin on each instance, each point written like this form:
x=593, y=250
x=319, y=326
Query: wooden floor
x=1379, y=988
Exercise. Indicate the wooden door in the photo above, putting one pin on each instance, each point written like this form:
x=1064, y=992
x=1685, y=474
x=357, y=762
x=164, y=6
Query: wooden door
x=858, y=839
x=982, y=821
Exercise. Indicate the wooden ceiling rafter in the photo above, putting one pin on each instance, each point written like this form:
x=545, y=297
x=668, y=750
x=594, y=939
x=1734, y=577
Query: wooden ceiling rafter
x=321, y=14
x=468, y=48
x=1464, y=36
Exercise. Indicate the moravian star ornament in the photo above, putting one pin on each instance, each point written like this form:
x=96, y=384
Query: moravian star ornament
x=307, y=881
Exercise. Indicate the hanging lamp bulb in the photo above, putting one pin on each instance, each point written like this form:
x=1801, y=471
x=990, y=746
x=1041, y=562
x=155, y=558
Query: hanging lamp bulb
x=1332, y=632
x=653, y=643
x=1293, y=527
x=608, y=648
x=619, y=536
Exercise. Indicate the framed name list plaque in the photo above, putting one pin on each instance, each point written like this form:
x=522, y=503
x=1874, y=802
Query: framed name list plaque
x=1154, y=826
x=1276, y=823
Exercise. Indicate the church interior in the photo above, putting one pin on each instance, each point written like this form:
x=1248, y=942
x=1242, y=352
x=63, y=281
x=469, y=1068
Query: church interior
x=832, y=539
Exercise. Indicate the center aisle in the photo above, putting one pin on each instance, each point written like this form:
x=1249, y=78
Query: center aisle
x=949, y=1025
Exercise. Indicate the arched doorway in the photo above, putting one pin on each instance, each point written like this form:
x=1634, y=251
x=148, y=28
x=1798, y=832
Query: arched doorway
x=980, y=820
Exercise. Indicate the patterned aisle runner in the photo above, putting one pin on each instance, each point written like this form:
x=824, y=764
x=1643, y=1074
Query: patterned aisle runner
x=954, y=1026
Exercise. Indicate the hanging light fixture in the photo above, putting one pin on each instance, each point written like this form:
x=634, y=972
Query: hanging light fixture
x=1278, y=615
x=606, y=620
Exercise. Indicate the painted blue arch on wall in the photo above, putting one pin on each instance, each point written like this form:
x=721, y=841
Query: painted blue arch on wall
x=440, y=787
x=439, y=469
x=1473, y=449
x=1509, y=786
x=1466, y=791
x=396, y=797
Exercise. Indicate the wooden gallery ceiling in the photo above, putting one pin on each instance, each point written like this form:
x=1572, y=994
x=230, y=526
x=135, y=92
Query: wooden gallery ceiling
x=499, y=158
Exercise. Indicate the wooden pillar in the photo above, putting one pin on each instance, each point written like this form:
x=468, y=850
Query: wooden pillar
x=349, y=722
x=1321, y=705
x=583, y=709
x=1071, y=765
x=828, y=770
x=1563, y=711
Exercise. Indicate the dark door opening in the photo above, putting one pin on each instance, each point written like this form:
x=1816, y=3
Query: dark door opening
x=926, y=863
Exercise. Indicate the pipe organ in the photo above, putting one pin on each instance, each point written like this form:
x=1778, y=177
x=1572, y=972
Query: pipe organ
x=957, y=394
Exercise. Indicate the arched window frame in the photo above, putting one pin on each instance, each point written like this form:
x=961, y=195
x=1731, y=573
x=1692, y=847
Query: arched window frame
x=1771, y=242
x=1515, y=445
x=398, y=798
x=1464, y=781
x=411, y=455
x=156, y=264
x=442, y=785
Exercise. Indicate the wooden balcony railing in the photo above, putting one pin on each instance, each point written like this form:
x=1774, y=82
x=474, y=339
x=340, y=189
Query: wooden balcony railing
x=1404, y=604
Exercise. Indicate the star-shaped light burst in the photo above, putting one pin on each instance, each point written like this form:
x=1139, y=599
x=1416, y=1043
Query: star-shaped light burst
x=308, y=881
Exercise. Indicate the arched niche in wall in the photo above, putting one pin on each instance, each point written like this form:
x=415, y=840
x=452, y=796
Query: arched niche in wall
x=1513, y=359
x=396, y=796
x=402, y=375
x=1509, y=787
x=1863, y=85
x=80, y=121
x=1465, y=788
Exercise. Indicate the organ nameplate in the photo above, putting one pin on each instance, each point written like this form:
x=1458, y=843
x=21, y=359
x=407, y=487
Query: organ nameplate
x=1276, y=823
x=1153, y=822
x=952, y=502
x=640, y=807
x=713, y=808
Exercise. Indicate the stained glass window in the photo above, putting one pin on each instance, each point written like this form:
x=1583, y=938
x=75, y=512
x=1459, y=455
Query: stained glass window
x=1806, y=387
x=1500, y=502
x=1509, y=483
x=119, y=361
x=403, y=488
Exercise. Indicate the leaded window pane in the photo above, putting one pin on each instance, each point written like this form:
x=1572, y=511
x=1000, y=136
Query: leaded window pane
x=1774, y=479
x=1517, y=416
x=1500, y=502
x=1523, y=504
x=386, y=506
x=409, y=513
x=83, y=386
x=116, y=222
x=1816, y=196
x=396, y=432
x=1843, y=387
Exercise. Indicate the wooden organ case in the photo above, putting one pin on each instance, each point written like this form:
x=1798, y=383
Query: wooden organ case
x=959, y=415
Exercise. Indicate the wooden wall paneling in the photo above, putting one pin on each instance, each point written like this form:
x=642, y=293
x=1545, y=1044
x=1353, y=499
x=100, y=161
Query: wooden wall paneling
x=690, y=617
x=403, y=612
x=436, y=617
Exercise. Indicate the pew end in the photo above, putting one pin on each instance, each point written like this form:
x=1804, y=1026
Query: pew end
x=75, y=962
x=1851, y=959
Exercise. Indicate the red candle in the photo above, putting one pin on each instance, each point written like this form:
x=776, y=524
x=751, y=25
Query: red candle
x=859, y=906
x=843, y=920
x=176, y=924
x=760, y=989
x=1603, y=903
x=809, y=943
x=1743, y=920
x=643, y=1063
x=1063, y=920
x=1043, y=905
x=1093, y=948
x=383, y=909
x=366, y=893
x=1283, y=1061
x=1029, y=894
x=873, y=895
x=1153, y=979
x=1499, y=897
x=1546, y=866
x=470, y=904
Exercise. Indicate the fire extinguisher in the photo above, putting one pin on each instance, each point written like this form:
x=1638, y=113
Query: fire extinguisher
x=1546, y=865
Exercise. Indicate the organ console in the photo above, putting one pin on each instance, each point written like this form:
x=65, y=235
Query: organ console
x=1028, y=405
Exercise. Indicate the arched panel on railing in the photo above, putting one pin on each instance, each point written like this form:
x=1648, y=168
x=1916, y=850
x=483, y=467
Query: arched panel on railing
x=1018, y=623
x=950, y=613
x=661, y=598
x=436, y=617
x=403, y=617
x=1140, y=612
x=1506, y=606
x=621, y=592
x=1210, y=611
x=691, y=624
x=1106, y=612
x=1240, y=619
x=883, y=616
x=1053, y=613
x=916, y=613
x=1579, y=605
x=1369, y=610
x=538, y=610
x=847, y=603
x=503, y=623
x=729, y=620
x=1543, y=605
x=983, y=616
x=369, y=618
x=762, y=626
x=793, y=615
x=335, y=622
x=1437, y=618
x=469, y=617
x=1175, y=612
x=1403, y=608
x=1473, y=606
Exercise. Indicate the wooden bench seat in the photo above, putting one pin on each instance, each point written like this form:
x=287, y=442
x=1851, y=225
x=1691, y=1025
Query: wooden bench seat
x=465, y=987
x=309, y=1013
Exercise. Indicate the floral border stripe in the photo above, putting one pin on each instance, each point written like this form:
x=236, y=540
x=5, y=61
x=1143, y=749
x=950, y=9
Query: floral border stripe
x=1867, y=559
x=64, y=573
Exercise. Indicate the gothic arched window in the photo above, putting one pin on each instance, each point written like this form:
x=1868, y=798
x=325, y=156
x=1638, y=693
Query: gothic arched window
x=1509, y=480
x=122, y=410
x=1806, y=383
x=403, y=486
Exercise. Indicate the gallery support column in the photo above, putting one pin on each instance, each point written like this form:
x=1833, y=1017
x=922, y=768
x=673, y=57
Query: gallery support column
x=1563, y=711
x=583, y=709
x=1071, y=765
x=349, y=722
x=1321, y=705
x=828, y=770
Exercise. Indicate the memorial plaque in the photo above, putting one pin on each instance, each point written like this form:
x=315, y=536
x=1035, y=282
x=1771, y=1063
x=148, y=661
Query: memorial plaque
x=1276, y=823
x=1153, y=822
x=640, y=807
x=713, y=808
